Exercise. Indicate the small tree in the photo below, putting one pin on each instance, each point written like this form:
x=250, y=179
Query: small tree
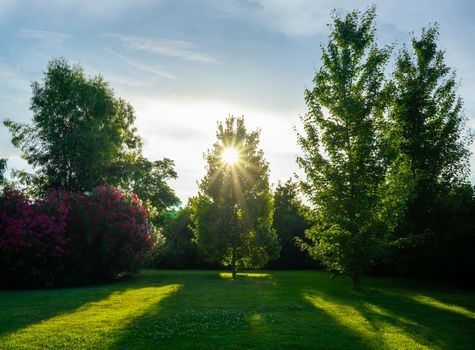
x=290, y=222
x=343, y=157
x=232, y=214
x=180, y=249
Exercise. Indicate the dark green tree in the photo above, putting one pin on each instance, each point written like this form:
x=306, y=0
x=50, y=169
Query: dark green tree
x=3, y=168
x=180, y=249
x=290, y=222
x=343, y=155
x=430, y=133
x=148, y=180
x=79, y=130
x=232, y=214
x=82, y=136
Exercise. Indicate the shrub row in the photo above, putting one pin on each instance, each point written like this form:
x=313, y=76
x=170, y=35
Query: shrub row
x=72, y=238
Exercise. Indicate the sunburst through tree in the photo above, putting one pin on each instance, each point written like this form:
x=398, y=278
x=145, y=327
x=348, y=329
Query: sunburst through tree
x=230, y=156
x=232, y=214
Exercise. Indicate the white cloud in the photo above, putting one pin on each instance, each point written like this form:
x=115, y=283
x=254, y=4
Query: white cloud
x=43, y=35
x=183, y=50
x=154, y=69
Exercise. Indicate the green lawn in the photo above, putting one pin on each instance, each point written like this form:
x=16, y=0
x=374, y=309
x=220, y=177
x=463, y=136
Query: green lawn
x=260, y=310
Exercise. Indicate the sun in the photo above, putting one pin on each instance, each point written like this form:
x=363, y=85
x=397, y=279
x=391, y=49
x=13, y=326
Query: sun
x=230, y=156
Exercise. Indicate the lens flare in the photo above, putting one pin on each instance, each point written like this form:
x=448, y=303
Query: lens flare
x=230, y=156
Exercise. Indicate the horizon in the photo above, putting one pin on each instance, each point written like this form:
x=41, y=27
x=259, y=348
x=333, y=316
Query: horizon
x=183, y=68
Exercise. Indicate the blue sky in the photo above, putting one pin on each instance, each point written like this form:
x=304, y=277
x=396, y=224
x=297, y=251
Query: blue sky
x=185, y=64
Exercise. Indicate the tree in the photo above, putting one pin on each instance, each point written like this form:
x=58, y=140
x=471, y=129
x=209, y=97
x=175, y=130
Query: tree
x=83, y=136
x=179, y=250
x=232, y=215
x=430, y=132
x=343, y=155
x=79, y=130
x=148, y=180
x=3, y=167
x=290, y=222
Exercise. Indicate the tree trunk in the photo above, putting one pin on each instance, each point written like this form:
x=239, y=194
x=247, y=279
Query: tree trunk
x=233, y=263
x=356, y=281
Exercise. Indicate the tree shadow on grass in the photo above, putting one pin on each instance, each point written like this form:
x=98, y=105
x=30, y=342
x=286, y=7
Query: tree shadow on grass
x=249, y=312
x=201, y=310
x=278, y=310
x=29, y=313
x=398, y=319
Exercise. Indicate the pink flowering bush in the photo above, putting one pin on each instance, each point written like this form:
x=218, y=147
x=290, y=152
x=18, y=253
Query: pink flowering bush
x=32, y=239
x=110, y=235
x=72, y=238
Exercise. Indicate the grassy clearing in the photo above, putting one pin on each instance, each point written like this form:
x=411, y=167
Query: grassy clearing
x=261, y=310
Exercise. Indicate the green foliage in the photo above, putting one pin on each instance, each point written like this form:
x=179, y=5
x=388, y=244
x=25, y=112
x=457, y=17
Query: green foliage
x=3, y=167
x=79, y=130
x=179, y=249
x=148, y=180
x=430, y=126
x=290, y=222
x=82, y=136
x=429, y=131
x=232, y=214
x=344, y=158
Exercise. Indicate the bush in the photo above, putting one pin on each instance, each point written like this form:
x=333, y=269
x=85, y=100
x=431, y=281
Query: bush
x=72, y=238
x=32, y=239
x=110, y=235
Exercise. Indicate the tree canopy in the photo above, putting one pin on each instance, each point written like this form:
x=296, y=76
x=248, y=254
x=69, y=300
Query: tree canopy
x=82, y=136
x=430, y=132
x=79, y=130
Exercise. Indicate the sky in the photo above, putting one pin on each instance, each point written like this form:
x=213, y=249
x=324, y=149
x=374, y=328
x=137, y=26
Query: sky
x=184, y=64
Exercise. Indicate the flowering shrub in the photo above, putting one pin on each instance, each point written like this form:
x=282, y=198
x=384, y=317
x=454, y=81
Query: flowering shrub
x=110, y=235
x=70, y=238
x=32, y=239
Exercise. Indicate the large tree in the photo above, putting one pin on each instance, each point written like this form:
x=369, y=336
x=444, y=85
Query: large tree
x=79, y=130
x=343, y=155
x=82, y=136
x=430, y=132
x=232, y=214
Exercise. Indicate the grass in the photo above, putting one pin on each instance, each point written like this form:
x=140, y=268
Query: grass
x=259, y=310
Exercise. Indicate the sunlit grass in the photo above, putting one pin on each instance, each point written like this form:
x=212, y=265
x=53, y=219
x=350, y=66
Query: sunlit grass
x=228, y=275
x=376, y=326
x=426, y=300
x=90, y=324
x=258, y=310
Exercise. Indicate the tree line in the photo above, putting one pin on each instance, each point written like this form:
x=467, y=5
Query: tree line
x=385, y=157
